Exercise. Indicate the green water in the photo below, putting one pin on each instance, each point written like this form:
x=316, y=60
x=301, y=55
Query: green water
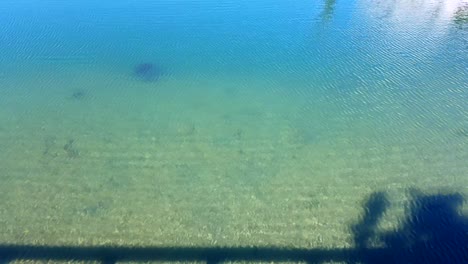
x=272, y=123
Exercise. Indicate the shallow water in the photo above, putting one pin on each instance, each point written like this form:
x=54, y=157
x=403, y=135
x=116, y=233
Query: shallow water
x=263, y=123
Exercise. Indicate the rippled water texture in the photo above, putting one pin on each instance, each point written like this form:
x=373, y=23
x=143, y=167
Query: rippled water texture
x=319, y=125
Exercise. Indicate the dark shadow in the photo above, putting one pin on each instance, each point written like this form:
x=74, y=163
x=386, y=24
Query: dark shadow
x=461, y=16
x=148, y=72
x=365, y=230
x=328, y=10
x=79, y=95
x=433, y=231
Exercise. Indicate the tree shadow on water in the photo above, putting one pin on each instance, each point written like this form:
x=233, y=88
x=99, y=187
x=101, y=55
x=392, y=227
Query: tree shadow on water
x=433, y=231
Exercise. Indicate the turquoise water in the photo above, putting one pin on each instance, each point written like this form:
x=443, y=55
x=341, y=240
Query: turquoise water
x=268, y=123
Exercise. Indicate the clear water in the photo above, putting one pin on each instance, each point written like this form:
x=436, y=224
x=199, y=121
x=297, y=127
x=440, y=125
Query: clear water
x=270, y=124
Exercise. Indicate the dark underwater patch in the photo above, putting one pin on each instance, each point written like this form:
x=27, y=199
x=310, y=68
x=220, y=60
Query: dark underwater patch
x=79, y=95
x=148, y=72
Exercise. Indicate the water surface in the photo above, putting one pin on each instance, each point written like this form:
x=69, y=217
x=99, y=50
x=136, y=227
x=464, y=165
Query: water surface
x=265, y=123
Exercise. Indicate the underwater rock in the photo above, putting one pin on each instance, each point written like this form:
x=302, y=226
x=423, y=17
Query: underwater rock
x=148, y=72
